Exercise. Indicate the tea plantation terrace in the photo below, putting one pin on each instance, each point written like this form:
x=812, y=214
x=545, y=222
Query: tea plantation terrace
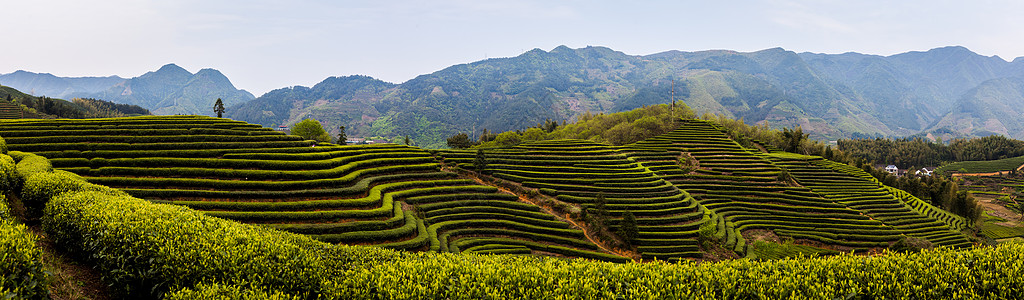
x=384, y=195
x=578, y=172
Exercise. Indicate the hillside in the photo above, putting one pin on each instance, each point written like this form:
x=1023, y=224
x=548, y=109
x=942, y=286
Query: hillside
x=169, y=90
x=829, y=96
x=15, y=105
x=400, y=197
x=691, y=193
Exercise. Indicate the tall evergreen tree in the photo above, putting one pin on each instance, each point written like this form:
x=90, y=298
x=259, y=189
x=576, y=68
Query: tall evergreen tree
x=342, y=137
x=628, y=229
x=218, y=107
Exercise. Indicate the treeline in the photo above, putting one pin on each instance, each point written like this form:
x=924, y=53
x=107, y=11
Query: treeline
x=917, y=152
x=50, y=108
x=46, y=107
x=616, y=129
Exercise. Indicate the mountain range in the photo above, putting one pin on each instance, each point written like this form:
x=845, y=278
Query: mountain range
x=169, y=90
x=944, y=92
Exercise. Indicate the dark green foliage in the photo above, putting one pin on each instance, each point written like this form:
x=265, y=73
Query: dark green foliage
x=911, y=244
x=601, y=210
x=628, y=230
x=793, y=139
x=480, y=162
x=105, y=109
x=218, y=107
x=342, y=137
x=459, y=141
x=917, y=152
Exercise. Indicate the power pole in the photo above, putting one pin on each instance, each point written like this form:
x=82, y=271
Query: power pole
x=672, y=113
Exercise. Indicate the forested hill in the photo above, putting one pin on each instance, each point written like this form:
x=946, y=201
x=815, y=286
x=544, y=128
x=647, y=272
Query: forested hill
x=829, y=96
x=17, y=105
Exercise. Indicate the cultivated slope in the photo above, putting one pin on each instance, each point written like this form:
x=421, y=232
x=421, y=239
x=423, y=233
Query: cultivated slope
x=386, y=195
x=399, y=197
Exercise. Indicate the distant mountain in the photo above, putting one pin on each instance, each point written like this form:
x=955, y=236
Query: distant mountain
x=994, y=107
x=45, y=84
x=167, y=91
x=830, y=96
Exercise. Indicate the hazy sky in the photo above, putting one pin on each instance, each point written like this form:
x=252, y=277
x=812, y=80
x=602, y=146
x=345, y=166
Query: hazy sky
x=267, y=44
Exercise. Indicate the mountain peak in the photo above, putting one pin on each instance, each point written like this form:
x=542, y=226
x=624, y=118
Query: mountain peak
x=561, y=48
x=171, y=68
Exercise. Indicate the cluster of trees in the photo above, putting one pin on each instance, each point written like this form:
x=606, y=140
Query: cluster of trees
x=94, y=108
x=616, y=129
x=78, y=108
x=905, y=153
x=488, y=139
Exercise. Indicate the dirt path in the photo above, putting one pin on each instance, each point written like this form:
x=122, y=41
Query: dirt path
x=70, y=279
x=995, y=209
x=548, y=210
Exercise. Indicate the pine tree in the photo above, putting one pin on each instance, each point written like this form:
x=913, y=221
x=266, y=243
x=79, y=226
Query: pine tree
x=342, y=137
x=218, y=107
x=601, y=207
x=480, y=163
x=628, y=229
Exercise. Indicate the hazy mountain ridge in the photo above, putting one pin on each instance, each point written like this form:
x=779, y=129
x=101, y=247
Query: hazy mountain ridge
x=166, y=91
x=830, y=96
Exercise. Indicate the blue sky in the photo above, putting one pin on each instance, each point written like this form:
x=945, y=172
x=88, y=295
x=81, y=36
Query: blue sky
x=266, y=44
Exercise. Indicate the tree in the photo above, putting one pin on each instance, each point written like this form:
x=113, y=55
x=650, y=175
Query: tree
x=601, y=207
x=311, y=129
x=628, y=229
x=218, y=107
x=9, y=99
x=408, y=141
x=342, y=137
x=480, y=163
x=460, y=141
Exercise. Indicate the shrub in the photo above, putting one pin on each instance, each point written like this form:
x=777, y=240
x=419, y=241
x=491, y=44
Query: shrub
x=911, y=244
x=21, y=267
x=154, y=248
x=40, y=187
x=226, y=292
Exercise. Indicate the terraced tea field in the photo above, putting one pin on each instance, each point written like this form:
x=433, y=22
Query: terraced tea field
x=742, y=188
x=578, y=172
x=895, y=208
x=384, y=195
x=399, y=197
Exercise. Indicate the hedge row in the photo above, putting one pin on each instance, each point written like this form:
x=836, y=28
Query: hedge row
x=257, y=174
x=22, y=275
x=156, y=146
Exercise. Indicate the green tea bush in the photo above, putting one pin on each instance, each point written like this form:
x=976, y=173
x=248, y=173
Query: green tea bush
x=21, y=268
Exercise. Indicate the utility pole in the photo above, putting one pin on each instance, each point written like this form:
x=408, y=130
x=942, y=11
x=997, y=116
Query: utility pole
x=672, y=113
